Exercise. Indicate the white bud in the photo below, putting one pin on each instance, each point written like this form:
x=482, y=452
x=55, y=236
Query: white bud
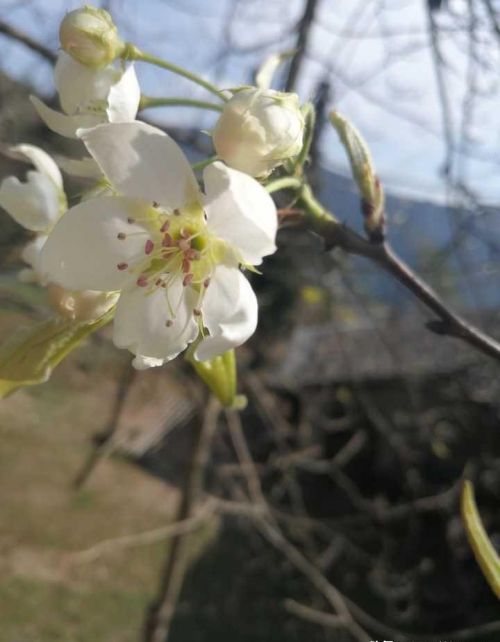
x=258, y=130
x=90, y=36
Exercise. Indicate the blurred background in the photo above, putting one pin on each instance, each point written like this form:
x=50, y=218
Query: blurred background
x=361, y=422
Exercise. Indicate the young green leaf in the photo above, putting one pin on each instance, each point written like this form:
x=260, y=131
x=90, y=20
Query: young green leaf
x=33, y=352
x=485, y=554
x=363, y=171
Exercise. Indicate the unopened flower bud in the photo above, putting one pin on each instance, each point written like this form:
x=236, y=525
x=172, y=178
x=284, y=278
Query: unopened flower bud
x=90, y=36
x=258, y=130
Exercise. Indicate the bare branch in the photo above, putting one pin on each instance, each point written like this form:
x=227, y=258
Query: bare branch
x=146, y=537
x=449, y=322
x=303, y=34
x=269, y=529
x=313, y=615
x=162, y=611
x=103, y=444
x=28, y=41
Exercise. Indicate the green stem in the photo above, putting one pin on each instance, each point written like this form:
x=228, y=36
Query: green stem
x=203, y=163
x=151, y=101
x=310, y=121
x=131, y=52
x=286, y=182
x=317, y=215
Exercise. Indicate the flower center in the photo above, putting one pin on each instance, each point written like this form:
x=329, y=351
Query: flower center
x=177, y=245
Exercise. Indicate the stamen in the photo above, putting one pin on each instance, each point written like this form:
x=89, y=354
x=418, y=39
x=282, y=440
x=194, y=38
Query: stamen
x=142, y=281
x=122, y=266
x=156, y=204
x=206, y=282
x=131, y=220
x=184, y=245
x=186, y=266
x=177, y=212
x=169, y=323
x=167, y=240
x=165, y=226
x=192, y=254
x=197, y=312
x=185, y=234
x=121, y=236
x=149, y=246
x=187, y=279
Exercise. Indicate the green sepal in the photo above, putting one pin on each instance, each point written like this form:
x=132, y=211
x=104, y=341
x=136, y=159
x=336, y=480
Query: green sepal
x=265, y=73
x=485, y=554
x=219, y=374
x=31, y=354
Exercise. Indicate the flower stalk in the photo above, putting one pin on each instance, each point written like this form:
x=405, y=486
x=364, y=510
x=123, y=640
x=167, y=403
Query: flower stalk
x=309, y=114
x=131, y=52
x=152, y=101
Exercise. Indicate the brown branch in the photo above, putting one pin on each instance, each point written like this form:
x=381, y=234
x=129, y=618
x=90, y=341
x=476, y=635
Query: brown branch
x=270, y=531
x=103, y=442
x=28, y=41
x=334, y=597
x=448, y=323
x=493, y=16
x=446, y=112
x=314, y=616
x=303, y=34
x=159, y=619
x=146, y=537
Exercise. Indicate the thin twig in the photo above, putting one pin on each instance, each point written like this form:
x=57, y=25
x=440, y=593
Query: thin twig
x=31, y=43
x=304, y=29
x=159, y=619
x=449, y=322
x=334, y=597
x=313, y=615
x=245, y=458
x=268, y=528
x=104, y=446
x=146, y=537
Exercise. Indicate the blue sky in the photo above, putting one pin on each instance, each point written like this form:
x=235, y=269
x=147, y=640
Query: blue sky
x=376, y=53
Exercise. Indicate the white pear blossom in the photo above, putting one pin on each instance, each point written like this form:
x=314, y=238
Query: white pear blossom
x=89, y=97
x=90, y=36
x=258, y=130
x=36, y=204
x=173, y=252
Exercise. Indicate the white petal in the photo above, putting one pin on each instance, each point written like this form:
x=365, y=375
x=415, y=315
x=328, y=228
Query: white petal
x=140, y=321
x=240, y=211
x=41, y=160
x=34, y=204
x=61, y=123
x=143, y=363
x=79, y=86
x=124, y=97
x=141, y=161
x=83, y=250
x=230, y=313
x=31, y=255
x=81, y=167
